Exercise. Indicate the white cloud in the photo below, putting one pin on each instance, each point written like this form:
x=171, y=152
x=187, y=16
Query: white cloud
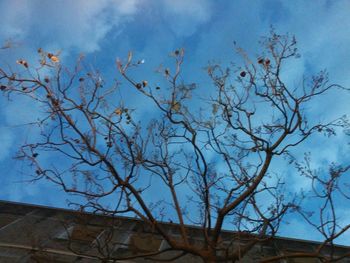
x=65, y=24
x=197, y=9
x=21, y=110
x=82, y=25
x=126, y=7
x=15, y=15
x=323, y=30
x=185, y=16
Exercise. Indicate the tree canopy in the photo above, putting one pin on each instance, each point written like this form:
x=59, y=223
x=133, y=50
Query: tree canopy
x=202, y=157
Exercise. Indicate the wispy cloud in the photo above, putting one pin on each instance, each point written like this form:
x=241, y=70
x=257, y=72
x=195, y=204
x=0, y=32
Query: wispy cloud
x=64, y=24
x=184, y=17
x=84, y=24
x=6, y=141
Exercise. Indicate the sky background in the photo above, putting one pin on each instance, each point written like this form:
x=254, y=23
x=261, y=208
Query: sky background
x=106, y=29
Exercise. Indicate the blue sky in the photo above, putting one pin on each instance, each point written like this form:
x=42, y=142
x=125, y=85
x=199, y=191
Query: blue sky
x=106, y=29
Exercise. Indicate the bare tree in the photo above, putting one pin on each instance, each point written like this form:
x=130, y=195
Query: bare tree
x=206, y=157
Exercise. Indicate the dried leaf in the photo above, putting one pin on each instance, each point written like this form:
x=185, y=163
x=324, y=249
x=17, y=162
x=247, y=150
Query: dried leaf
x=118, y=111
x=22, y=62
x=175, y=106
x=55, y=59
